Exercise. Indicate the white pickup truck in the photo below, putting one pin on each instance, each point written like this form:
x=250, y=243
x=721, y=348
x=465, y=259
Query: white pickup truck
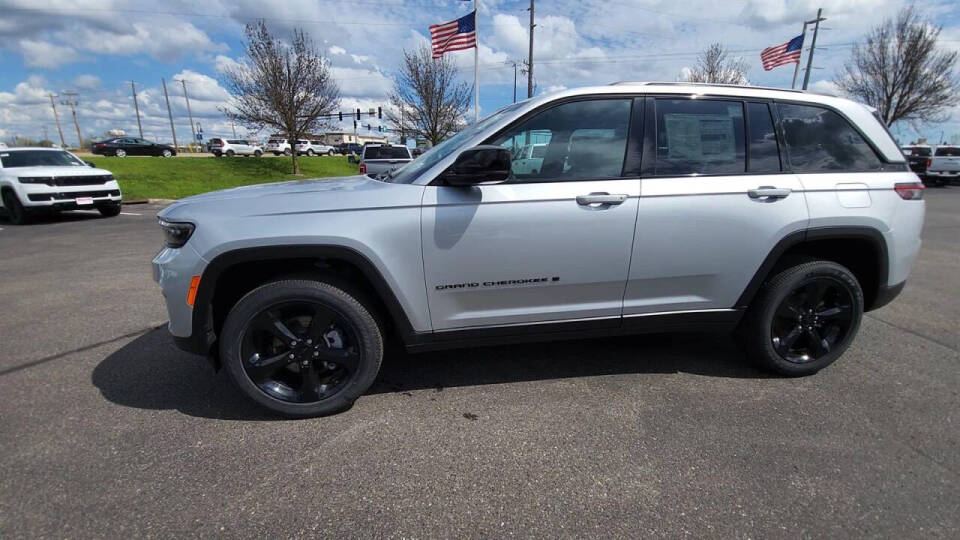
x=944, y=165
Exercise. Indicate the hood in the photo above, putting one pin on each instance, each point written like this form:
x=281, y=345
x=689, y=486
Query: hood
x=61, y=170
x=295, y=197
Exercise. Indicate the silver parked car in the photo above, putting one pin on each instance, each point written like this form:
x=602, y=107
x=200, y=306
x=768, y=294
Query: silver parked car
x=780, y=216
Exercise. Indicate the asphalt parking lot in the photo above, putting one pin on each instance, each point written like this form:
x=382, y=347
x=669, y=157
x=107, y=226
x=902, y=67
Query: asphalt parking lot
x=108, y=430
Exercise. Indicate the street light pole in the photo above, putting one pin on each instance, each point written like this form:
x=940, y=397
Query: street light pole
x=166, y=96
x=189, y=113
x=136, y=106
x=530, y=56
x=56, y=117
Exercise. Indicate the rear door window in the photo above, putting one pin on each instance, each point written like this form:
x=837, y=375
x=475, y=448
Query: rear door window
x=952, y=151
x=764, y=154
x=699, y=136
x=820, y=140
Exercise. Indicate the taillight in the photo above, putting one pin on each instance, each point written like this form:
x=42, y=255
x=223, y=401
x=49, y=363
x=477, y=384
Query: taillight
x=909, y=191
x=929, y=161
x=363, y=168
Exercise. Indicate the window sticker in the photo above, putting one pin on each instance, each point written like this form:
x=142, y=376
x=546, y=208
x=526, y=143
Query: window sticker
x=699, y=137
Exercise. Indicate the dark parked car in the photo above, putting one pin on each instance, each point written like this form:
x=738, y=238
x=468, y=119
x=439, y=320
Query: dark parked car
x=919, y=157
x=132, y=146
x=350, y=148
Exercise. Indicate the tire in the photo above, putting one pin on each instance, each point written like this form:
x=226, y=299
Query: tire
x=330, y=153
x=230, y=153
x=286, y=152
x=276, y=153
x=16, y=213
x=166, y=152
x=344, y=351
x=120, y=152
x=310, y=152
x=258, y=153
x=112, y=210
x=217, y=154
x=811, y=300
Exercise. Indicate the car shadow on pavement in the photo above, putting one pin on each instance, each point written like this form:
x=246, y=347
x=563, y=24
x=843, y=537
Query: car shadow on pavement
x=151, y=373
x=55, y=217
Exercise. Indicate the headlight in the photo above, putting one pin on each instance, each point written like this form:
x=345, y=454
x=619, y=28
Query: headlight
x=176, y=234
x=36, y=180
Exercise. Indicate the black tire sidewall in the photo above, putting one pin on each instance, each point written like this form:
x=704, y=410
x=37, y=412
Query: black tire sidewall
x=110, y=210
x=16, y=213
x=341, y=301
x=757, y=332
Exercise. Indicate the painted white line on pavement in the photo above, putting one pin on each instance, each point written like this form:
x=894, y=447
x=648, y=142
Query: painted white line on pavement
x=128, y=214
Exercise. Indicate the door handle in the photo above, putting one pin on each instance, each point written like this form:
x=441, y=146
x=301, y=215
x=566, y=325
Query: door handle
x=769, y=193
x=601, y=198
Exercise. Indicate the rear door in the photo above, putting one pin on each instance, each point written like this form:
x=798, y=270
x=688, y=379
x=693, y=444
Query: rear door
x=549, y=246
x=714, y=201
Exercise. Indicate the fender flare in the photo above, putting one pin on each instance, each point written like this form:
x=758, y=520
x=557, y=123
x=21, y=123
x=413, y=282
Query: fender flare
x=870, y=234
x=202, y=336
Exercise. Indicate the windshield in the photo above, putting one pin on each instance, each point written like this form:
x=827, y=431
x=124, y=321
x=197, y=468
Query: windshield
x=38, y=158
x=952, y=151
x=409, y=172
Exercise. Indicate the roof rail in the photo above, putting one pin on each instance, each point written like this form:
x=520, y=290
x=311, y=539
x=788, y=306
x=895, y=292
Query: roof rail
x=719, y=85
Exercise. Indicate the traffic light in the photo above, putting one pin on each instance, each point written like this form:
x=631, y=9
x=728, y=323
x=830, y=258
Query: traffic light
x=379, y=112
x=380, y=129
x=341, y=115
x=354, y=125
x=358, y=114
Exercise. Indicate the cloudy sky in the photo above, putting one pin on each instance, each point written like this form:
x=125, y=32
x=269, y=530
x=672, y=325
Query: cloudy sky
x=95, y=47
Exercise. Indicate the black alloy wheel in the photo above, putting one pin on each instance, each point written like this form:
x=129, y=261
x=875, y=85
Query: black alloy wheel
x=300, y=351
x=302, y=347
x=813, y=320
x=16, y=213
x=803, y=318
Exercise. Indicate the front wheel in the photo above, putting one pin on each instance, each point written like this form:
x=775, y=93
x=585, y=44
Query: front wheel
x=286, y=152
x=803, y=318
x=301, y=348
x=310, y=152
x=166, y=152
x=120, y=152
x=110, y=210
x=16, y=213
x=258, y=153
x=230, y=153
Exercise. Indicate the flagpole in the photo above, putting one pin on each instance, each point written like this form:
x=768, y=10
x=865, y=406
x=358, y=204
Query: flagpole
x=476, y=62
x=796, y=69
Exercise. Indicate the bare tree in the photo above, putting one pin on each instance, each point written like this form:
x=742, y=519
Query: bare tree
x=899, y=70
x=427, y=92
x=714, y=65
x=288, y=88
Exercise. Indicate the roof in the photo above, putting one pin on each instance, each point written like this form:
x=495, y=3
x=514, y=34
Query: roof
x=15, y=148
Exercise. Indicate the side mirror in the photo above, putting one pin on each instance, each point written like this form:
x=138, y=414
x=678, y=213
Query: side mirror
x=485, y=164
x=90, y=164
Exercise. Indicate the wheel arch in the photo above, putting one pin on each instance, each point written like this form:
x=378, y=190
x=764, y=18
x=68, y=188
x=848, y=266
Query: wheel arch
x=863, y=250
x=230, y=275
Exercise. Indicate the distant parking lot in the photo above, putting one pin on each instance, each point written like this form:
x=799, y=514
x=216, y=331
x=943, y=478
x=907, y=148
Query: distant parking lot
x=110, y=430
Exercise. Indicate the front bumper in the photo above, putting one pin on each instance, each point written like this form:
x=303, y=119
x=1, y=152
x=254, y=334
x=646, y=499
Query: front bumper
x=885, y=295
x=943, y=174
x=173, y=269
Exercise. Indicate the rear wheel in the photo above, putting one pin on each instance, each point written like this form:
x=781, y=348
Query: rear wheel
x=310, y=152
x=166, y=152
x=230, y=153
x=330, y=153
x=257, y=153
x=803, y=319
x=16, y=213
x=286, y=152
x=120, y=152
x=301, y=348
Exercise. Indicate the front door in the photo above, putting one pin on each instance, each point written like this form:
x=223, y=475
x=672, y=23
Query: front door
x=551, y=244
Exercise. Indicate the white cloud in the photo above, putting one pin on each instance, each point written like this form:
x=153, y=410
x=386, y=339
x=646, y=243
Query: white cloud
x=43, y=54
x=334, y=50
x=223, y=63
x=86, y=82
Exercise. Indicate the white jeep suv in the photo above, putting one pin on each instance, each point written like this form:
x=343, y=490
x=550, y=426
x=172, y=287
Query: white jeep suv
x=34, y=180
x=234, y=147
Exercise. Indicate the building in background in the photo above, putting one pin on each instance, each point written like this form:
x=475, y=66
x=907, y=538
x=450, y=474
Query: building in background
x=334, y=138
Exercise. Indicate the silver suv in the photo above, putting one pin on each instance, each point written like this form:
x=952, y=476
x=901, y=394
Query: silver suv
x=779, y=216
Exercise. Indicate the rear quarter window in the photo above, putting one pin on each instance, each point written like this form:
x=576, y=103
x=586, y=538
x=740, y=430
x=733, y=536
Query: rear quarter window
x=950, y=151
x=820, y=140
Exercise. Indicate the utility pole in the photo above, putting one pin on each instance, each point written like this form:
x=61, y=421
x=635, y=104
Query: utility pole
x=169, y=112
x=190, y=114
x=813, y=46
x=57, y=118
x=234, y=126
x=71, y=102
x=514, y=62
x=796, y=68
x=530, y=56
x=136, y=106
x=44, y=127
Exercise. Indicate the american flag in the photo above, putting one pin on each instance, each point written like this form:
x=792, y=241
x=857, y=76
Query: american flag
x=456, y=35
x=787, y=53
